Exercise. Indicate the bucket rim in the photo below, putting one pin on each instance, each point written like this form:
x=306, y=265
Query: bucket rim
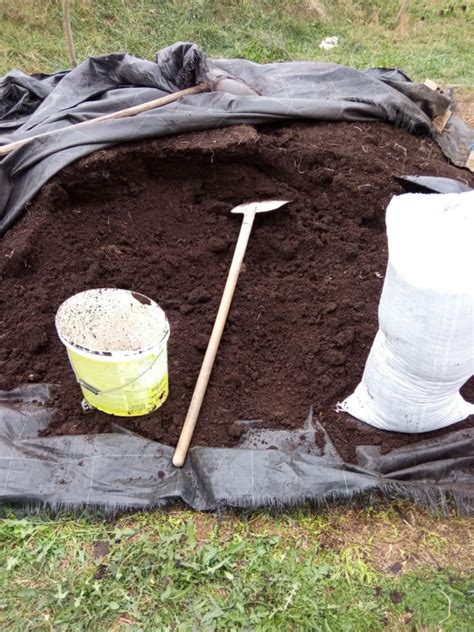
x=113, y=356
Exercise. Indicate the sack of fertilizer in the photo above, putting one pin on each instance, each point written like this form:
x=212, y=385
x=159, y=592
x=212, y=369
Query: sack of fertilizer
x=424, y=349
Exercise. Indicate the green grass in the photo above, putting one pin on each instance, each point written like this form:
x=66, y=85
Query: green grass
x=295, y=571
x=434, y=43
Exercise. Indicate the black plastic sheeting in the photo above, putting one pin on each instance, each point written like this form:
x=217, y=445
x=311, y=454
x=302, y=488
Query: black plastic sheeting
x=242, y=92
x=121, y=470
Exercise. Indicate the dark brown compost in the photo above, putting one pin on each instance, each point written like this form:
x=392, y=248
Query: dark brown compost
x=154, y=217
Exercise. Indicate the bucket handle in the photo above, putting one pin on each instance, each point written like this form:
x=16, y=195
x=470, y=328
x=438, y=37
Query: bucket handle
x=97, y=392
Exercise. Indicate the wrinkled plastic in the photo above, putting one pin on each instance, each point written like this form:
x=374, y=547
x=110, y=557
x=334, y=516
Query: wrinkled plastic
x=123, y=471
x=241, y=92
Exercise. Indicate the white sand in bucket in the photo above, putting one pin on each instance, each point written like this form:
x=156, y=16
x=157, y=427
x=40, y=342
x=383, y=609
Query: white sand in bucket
x=110, y=320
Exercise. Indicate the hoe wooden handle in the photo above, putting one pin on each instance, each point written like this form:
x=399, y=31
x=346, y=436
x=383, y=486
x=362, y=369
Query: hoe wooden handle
x=132, y=111
x=181, y=451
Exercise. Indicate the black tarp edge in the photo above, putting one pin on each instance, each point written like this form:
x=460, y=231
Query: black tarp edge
x=122, y=471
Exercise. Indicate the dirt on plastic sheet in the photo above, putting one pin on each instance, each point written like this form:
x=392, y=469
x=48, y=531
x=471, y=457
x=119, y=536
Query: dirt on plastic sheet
x=153, y=217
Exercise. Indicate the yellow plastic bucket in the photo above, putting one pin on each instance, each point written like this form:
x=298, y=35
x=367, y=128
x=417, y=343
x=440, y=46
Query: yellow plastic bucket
x=117, y=341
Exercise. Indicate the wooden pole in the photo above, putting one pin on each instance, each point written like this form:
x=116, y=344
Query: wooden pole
x=184, y=441
x=131, y=111
x=68, y=33
x=249, y=210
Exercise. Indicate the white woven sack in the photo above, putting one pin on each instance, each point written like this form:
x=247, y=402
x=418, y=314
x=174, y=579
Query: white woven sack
x=424, y=350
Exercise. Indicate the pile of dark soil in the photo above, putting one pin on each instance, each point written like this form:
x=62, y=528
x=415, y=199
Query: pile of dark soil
x=154, y=217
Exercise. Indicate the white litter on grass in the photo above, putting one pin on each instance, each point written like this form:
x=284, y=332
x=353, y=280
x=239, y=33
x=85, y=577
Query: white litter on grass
x=329, y=42
x=111, y=320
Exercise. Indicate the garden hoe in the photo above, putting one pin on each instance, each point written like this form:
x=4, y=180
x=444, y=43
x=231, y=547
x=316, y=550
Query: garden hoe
x=248, y=211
